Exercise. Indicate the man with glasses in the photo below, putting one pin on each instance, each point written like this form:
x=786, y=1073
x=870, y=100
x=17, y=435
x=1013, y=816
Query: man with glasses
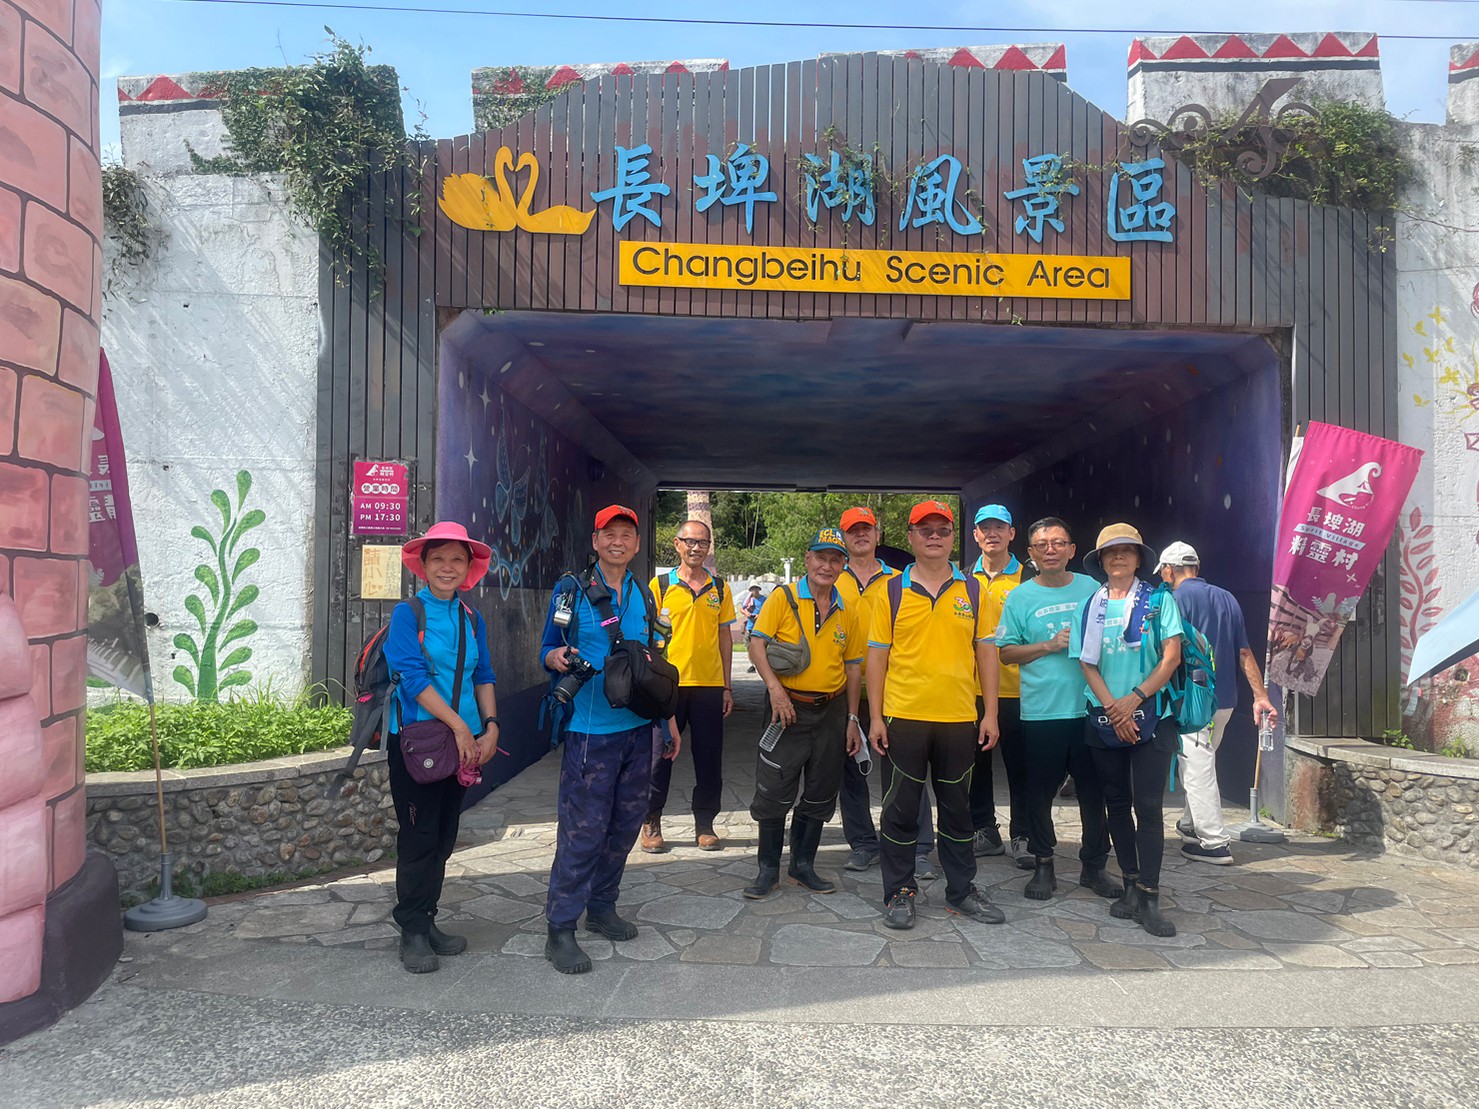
x=999, y=572
x=929, y=656
x=702, y=648
x=1033, y=633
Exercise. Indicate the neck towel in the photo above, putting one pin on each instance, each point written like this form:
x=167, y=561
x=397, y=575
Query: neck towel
x=1093, y=644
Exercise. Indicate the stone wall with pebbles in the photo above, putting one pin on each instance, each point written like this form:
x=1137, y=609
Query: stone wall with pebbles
x=252, y=819
x=1385, y=798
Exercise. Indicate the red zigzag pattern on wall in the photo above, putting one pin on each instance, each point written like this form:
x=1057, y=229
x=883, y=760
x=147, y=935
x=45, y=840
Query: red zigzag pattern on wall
x=1235, y=47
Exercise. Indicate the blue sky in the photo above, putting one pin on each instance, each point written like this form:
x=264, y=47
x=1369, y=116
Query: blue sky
x=434, y=54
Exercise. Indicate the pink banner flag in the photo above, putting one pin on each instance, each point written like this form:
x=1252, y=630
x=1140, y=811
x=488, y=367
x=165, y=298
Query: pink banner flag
x=116, y=649
x=1341, y=502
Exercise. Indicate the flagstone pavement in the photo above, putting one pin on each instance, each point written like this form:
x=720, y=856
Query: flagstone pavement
x=1308, y=937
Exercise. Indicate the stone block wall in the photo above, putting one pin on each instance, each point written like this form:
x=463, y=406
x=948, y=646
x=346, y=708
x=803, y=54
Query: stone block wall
x=51, y=215
x=253, y=820
x=1385, y=799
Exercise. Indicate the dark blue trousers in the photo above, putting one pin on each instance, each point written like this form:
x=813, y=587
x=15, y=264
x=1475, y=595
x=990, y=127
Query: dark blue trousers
x=604, y=780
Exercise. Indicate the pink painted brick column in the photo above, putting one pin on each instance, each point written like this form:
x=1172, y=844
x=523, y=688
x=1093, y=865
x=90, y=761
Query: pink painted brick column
x=50, y=249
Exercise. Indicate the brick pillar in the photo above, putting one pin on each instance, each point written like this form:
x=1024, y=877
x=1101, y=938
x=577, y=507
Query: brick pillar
x=50, y=274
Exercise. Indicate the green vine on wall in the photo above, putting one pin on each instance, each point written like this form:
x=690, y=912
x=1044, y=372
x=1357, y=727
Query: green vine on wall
x=221, y=577
x=325, y=127
x=126, y=215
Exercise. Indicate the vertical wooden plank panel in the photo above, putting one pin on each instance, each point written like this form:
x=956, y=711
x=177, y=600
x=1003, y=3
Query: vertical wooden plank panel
x=776, y=138
x=644, y=87
x=598, y=173
x=744, y=113
x=685, y=165
x=375, y=222
x=564, y=189
x=915, y=143
x=794, y=217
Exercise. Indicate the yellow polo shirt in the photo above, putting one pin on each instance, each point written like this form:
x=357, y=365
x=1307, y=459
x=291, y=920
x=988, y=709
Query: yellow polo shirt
x=932, y=651
x=993, y=599
x=836, y=641
x=696, y=617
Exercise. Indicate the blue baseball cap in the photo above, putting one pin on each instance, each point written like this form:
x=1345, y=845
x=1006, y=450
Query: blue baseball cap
x=828, y=539
x=993, y=512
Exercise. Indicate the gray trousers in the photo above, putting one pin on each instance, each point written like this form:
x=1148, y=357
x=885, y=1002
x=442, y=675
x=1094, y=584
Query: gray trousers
x=805, y=769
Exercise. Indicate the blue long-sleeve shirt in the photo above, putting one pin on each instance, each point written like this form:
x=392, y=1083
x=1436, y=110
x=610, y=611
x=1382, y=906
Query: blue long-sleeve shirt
x=404, y=656
x=591, y=712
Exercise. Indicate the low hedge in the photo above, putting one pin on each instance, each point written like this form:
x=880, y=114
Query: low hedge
x=205, y=734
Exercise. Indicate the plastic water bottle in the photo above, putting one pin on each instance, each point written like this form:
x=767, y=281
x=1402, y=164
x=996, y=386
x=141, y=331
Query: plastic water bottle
x=1266, y=734
x=662, y=631
x=771, y=734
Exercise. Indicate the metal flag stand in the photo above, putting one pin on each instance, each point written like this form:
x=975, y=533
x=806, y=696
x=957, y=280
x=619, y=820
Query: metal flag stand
x=1256, y=831
x=167, y=910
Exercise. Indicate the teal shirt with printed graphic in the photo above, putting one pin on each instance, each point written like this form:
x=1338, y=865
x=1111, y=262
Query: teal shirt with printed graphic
x=1052, y=686
x=1120, y=663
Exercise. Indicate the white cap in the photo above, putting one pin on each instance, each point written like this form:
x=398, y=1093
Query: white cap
x=1179, y=554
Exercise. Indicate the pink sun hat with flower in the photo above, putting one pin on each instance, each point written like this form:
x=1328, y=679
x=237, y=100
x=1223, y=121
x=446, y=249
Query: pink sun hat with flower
x=482, y=554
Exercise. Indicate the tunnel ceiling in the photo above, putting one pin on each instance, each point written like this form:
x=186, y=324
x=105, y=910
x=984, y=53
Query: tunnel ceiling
x=861, y=403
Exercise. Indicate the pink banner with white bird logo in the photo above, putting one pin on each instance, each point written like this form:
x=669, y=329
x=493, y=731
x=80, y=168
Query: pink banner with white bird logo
x=1342, y=498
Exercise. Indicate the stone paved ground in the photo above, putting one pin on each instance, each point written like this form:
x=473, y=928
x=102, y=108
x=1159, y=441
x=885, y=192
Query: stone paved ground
x=1339, y=976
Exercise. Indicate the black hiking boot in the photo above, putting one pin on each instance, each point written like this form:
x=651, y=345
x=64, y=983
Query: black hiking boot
x=610, y=925
x=444, y=944
x=562, y=950
x=806, y=835
x=417, y=955
x=1148, y=914
x=1043, y=882
x=768, y=854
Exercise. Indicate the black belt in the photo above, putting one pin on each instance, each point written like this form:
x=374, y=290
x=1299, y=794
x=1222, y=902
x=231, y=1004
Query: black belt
x=802, y=696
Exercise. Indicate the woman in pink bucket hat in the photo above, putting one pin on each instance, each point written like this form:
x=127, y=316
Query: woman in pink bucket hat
x=437, y=650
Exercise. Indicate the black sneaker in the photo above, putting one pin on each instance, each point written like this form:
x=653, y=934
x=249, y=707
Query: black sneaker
x=924, y=870
x=987, y=841
x=900, y=911
x=976, y=907
x=861, y=859
x=1217, y=856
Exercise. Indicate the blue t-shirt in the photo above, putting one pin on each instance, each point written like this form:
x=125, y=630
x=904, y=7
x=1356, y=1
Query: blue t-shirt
x=1052, y=686
x=1216, y=614
x=404, y=657
x=591, y=712
x=1120, y=662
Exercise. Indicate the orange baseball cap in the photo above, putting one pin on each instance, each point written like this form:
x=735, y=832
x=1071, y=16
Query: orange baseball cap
x=611, y=512
x=862, y=514
x=930, y=508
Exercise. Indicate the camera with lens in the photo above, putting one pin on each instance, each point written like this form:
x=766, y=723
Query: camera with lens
x=571, y=680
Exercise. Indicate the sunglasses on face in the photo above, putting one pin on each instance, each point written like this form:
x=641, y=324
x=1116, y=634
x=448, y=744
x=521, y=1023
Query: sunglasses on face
x=934, y=533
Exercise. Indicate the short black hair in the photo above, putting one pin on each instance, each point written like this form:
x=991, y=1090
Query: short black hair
x=432, y=544
x=701, y=523
x=1049, y=522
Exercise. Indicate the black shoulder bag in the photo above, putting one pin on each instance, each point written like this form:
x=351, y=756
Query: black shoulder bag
x=635, y=676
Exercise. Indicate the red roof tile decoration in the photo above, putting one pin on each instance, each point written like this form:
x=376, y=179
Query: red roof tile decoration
x=1463, y=61
x=1041, y=57
x=1311, y=47
x=165, y=89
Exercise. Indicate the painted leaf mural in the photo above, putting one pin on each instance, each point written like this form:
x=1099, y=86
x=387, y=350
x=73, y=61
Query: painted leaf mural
x=212, y=668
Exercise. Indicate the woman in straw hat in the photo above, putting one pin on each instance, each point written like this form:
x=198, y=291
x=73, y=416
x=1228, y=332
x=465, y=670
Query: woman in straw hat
x=1129, y=643
x=431, y=681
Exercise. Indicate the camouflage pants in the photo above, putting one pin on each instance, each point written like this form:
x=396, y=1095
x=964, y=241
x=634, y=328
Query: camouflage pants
x=604, y=781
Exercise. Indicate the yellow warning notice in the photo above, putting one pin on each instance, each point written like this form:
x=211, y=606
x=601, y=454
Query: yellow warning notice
x=784, y=269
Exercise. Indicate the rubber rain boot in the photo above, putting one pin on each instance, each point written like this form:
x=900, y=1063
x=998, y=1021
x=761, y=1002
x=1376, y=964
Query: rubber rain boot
x=768, y=855
x=806, y=836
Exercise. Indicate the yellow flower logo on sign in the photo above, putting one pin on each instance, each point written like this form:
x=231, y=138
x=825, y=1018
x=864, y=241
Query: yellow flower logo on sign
x=474, y=201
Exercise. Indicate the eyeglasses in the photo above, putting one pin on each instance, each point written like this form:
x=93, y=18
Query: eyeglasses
x=694, y=544
x=1051, y=545
x=934, y=533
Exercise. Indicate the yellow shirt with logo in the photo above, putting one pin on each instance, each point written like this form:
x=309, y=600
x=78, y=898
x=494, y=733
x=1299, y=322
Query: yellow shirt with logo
x=993, y=600
x=696, y=617
x=932, y=651
x=838, y=641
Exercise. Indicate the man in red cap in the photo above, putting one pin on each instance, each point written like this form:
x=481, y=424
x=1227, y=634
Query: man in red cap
x=929, y=655
x=606, y=766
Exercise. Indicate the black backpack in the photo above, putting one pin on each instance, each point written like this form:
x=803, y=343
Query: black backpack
x=374, y=686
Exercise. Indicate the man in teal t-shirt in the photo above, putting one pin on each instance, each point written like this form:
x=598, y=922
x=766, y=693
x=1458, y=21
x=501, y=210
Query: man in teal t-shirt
x=1036, y=623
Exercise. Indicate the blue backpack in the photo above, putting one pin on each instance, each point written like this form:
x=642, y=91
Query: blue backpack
x=1192, y=690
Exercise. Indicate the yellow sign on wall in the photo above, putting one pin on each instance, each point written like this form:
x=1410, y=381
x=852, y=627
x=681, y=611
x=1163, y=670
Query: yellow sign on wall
x=784, y=269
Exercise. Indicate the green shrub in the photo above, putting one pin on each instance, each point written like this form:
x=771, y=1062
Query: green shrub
x=242, y=729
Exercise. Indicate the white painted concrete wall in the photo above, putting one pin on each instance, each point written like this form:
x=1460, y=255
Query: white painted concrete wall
x=214, y=345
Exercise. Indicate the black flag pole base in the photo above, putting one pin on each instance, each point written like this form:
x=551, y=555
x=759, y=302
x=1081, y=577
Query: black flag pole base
x=166, y=910
x=1256, y=831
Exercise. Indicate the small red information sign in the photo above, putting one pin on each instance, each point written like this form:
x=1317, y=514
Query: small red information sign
x=380, y=499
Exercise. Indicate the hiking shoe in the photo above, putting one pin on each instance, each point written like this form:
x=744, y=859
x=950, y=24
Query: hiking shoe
x=561, y=949
x=1187, y=833
x=417, y=955
x=924, y=870
x=610, y=925
x=1217, y=856
x=444, y=944
x=861, y=859
x=975, y=906
x=900, y=911
x=1021, y=856
x=987, y=841
x=652, y=841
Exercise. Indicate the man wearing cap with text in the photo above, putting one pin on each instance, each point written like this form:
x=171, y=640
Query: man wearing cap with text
x=999, y=572
x=818, y=707
x=606, y=764
x=928, y=658
x=1217, y=615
